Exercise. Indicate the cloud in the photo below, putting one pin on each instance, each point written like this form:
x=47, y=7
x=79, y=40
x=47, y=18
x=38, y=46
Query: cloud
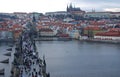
x=99, y=5
x=33, y=5
x=96, y=1
x=55, y=5
x=112, y=9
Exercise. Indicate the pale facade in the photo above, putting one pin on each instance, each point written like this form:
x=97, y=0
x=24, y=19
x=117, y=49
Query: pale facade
x=97, y=14
x=74, y=34
x=43, y=33
x=57, y=13
x=107, y=37
x=115, y=14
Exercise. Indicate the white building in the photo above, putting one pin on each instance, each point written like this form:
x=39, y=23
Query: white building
x=46, y=32
x=68, y=19
x=97, y=14
x=21, y=15
x=112, y=34
x=115, y=14
x=107, y=37
x=6, y=35
x=74, y=34
x=57, y=13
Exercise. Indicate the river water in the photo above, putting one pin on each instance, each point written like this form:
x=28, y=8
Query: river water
x=7, y=67
x=79, y=59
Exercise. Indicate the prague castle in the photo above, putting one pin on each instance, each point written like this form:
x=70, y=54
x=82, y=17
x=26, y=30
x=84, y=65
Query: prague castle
x=74, y=10
x=70, y=8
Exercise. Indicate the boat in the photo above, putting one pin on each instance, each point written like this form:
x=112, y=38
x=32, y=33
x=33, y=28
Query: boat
x=10, y=45
x=8, y=54
x=5, y=61
x=2, y=71
x=9, y=49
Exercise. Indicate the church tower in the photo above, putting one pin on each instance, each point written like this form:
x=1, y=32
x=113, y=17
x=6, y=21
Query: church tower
x=69, y=8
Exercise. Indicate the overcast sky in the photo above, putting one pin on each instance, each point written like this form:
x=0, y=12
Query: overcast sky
x=57, y=5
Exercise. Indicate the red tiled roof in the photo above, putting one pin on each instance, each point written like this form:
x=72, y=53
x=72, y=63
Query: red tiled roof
x=97, y=22
x=114, y=30
x=92, y=28
x=38, y=27
x=17, y=26
x=63, y=35
x=108, y=34
x=3, y=29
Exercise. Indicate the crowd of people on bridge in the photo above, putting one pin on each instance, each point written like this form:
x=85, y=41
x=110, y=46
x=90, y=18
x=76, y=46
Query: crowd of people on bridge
x=32, y=66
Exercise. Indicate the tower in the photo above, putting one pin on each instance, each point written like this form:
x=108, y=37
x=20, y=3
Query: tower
x=69, y=8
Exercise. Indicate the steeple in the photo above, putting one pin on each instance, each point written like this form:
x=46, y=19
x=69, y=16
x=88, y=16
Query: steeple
x=70, y=6
x=67, y=8
x=93, y=10
x=33, y=18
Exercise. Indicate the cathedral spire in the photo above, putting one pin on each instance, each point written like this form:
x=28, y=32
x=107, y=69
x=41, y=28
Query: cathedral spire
x=70, y=6
x=67, y=8
x=33, y=18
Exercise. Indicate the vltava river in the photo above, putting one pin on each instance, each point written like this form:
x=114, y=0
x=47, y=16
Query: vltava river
x=76, y=59
x=80, y=59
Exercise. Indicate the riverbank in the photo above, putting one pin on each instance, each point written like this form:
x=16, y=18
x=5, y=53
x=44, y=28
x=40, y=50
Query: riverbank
x=53, y=39
x=101, y=41
x=70, y=39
